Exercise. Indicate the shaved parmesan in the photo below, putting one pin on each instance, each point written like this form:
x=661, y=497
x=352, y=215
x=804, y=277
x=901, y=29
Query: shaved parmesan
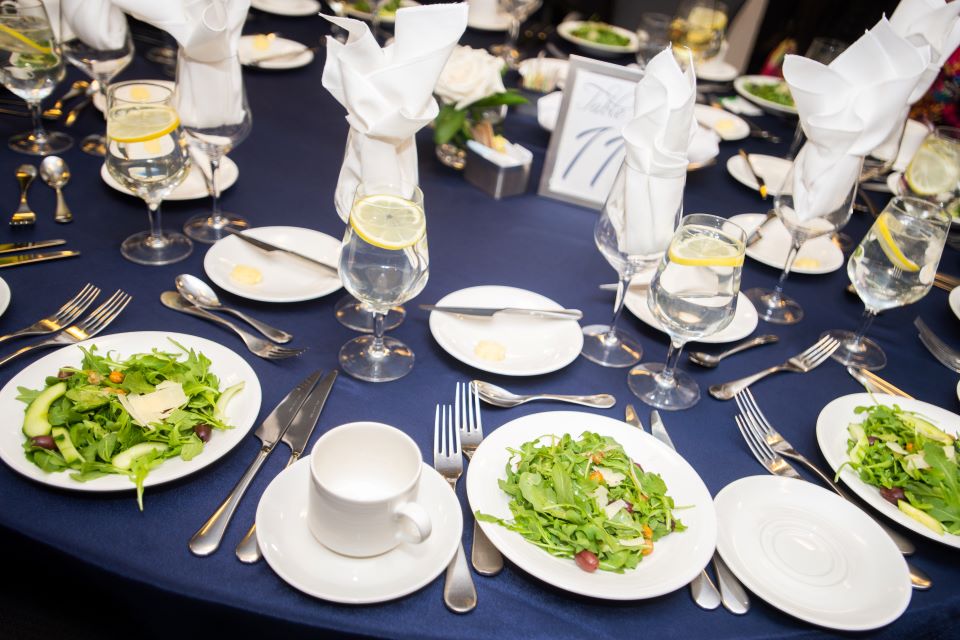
x=612, y=508
x=154, y=407
x=611, y=477
x=600, y=495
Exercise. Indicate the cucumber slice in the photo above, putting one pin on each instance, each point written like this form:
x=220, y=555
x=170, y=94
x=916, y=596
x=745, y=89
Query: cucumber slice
x=922, y=517
x=220, y=411
x=124, y=459
x=927, y=429
x=35, y=421
x=61, y=437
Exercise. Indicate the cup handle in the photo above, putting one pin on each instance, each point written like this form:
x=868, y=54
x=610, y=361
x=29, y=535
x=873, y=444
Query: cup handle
x=417, y=515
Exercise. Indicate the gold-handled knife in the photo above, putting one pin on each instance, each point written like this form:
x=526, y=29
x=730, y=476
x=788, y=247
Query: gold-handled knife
x=11, y=247
x=632, y=419
x=761, y=185
x=30, y=258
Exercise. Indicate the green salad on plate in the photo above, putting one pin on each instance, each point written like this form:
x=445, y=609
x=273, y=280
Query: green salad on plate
x=777, y=92
x=600, y=33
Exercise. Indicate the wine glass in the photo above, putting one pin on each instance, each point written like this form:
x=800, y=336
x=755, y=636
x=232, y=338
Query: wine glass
x=772, y=305
x=101, y=61
x=147, y=154
x=383, y=262
x=934, y=171
x=31, y=65
x=699, y=25
x=894, y=266
x=693, y=294
x=519, y=11
x=214, y=136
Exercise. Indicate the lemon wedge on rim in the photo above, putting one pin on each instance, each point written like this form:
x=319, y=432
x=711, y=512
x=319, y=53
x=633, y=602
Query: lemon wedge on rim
x=705, y=251
x=141, y=123
x=33, y=44
x=388, y=222
x=889, y=245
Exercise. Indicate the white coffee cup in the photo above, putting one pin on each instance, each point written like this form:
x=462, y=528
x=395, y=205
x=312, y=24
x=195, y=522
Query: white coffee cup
x=364, y=480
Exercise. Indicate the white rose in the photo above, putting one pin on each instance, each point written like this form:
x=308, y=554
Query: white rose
x=469, y=75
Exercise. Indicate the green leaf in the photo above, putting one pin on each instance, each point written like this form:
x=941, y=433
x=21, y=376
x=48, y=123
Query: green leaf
x=447, y=124
x=510, y=97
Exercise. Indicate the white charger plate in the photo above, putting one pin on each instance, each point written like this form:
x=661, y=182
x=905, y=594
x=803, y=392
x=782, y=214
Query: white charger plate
x=305, y=564
x=740, y=86
x=287, y=7
x=953, y=300
x=193, y=187
x=4, y=296
x=533, y=346
x=565, y=30
x=249, y=53
x=816, y=256
x=811, y=553
x=773, y=170
x=229, y=367
x=727, y=125
x=678, y=557
x=832, y=437
x=349, y=9
x=285, y=277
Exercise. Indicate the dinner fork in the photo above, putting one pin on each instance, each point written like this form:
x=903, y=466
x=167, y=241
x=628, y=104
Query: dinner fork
x=459, y=594
x=803, y=362
x=945, y=355
x=90, y=326
x=485, y=557
x=60, y=318
x=776, y=465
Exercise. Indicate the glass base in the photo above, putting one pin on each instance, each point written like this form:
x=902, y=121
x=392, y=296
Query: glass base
x=781, y=310
x=95, y=144
x=143, y=248
x=207, y=229
x=357, y=359
x=644, y=384
x=50, y=143
x=352, y=314
x=865, y=354
x=621, y=349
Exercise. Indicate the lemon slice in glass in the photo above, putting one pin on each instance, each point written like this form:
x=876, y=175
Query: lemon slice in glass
x=32, y=44
x=141, y=123
x=889, y=245
x=705, y=251
x=388, y=222
x=933, y=169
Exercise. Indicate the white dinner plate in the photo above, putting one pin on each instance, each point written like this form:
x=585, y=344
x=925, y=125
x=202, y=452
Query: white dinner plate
x=772, y=169
x=727, y=125
x=716, y=70
x=287, y=7
x=498, y=21
x=816, y=256
x=811, y=553
x=4, y=296
x=677, y=558
x=194, y=186
x=565, y=30
x=353, y=12
x=832, y=436
x=227, y=365
x=285, y=278
x=953, y=300
x=740, y=86
x=509, y=345
x=253, y=48
x=300, y=560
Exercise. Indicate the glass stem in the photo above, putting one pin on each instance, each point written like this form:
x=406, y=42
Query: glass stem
x=35, y=115
x=611, y=337
x=791, y=256
x=215, y=217
x=156, y=235
x=512, y=36
x=665, y=377
x=377, y=349
x=865, y=322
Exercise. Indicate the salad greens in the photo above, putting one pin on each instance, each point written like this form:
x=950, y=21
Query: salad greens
x=914, y=464
x=586, y=499
x=601, y=34
x=82, y=420
x=777, y=92
x=389, y=8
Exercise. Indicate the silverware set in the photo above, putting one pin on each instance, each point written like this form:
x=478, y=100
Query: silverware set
x=55, y=173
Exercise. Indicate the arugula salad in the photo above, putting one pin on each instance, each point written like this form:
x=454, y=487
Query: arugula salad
x=587, y=500
x=388, y=9
x=111, y=416
x=911, y=461
x=777, y=92
x=600, y=33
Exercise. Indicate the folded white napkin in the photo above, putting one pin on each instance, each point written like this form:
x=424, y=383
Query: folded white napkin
x=97, y=23
x=388, y=92
x=657, y=141
x=209, y=81
x=846, y=109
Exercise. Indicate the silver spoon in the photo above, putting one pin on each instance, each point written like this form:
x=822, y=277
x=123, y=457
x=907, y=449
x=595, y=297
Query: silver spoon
x=199, y=293
x=56, y=174
x=710, y=360
x=500, y=397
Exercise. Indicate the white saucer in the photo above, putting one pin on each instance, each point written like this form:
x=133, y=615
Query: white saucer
x=305, y=564
x=773, y=170
x=531, y=346
x=249, y=53
x=287, y=7
x=194, y=185
x=285, y=278
x=727, y=125
x=816, y=256
x=499, y=21
x=953, y=300
x=716, y=70
x=810, y=553
x=4, y=296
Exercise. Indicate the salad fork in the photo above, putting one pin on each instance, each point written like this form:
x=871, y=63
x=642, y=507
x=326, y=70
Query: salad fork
x=945, y=355
x=60, y=318
x=485, y=557
x=459, y=594
x=90, y=326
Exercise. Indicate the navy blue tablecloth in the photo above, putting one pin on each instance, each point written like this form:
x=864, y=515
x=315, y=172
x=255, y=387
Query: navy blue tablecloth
x=288, y=169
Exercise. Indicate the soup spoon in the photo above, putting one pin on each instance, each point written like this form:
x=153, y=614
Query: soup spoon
x=500, y=397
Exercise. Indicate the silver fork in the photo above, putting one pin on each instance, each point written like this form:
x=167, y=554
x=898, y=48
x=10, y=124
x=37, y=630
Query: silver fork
x=90, y=326
x=459, y=594
x=257, y=346
x=60, y=318
x=776, y=465
x=483, y=555
x=803, y=362
x=944, y=353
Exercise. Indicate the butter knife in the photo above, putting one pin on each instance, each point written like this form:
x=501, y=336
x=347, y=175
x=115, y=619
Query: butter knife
x=757, y=233
x=206, y=540
x=30, y=258
x=269, y=248
x=874, y=383
x=761, y=185
x=631, y=417
x=296, y=437
x=10, y=247
x=488, y=312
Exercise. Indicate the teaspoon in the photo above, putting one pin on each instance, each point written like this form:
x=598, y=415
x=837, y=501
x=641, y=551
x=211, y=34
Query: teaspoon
x=199, y=293
x=710, y=360
x=500, y=397
x=56, y=174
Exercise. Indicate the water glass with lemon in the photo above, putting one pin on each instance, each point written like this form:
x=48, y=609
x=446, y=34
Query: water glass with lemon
x=699, y=25
x=934, y=171
x=894, y=266
x=693, y=294
x=147, y=154
x=383, y=262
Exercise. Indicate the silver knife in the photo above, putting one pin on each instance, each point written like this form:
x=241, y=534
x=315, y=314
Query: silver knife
x=488, y=312
x=30, y=258
x=10, y=247
x=206, y=540
x=296, y=437
x=631, y=417
x=702, y=589
x=756, y=234
x=266, y=246
x=875, y=384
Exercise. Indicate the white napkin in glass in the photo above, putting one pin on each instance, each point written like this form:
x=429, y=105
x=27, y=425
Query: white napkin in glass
x=388, y=92
x=97, y=23
x=209, y=81
x=846, y=109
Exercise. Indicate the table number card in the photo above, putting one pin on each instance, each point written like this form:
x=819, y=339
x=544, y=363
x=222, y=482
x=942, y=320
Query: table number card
x=586, y=148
